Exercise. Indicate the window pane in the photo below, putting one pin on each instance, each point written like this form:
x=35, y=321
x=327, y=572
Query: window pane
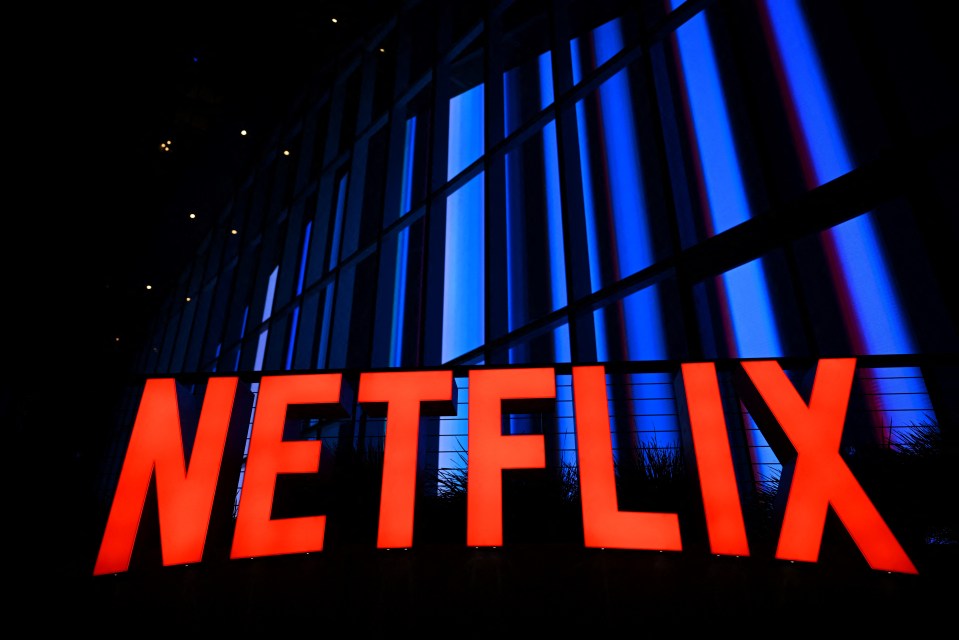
x=463, y=281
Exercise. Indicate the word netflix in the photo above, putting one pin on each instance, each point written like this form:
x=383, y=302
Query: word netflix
x=819, y=477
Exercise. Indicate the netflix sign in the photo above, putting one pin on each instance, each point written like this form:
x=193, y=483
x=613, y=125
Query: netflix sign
x=818, y=477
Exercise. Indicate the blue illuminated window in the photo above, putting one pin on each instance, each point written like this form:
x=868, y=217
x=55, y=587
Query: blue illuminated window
x=299, y=290
x=409, y=157
x=464, y=280
x=325, y=327
x=534, y=230
x=267, y=310
x=399, y=298
x=745, y=304
x=466, y=130
x=338, y=220
x=631, y=328
x=874, y=318
x=527, y=90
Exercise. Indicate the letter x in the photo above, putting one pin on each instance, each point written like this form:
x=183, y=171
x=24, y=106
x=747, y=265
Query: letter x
x=821, y=477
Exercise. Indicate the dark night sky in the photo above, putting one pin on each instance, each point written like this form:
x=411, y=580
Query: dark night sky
x=106, y=210
x=196, y=81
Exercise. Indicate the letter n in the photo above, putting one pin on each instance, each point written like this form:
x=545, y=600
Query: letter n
x=184, y=495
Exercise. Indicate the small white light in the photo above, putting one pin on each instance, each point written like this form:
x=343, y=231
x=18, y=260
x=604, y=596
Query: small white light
x=242, y=132
x=233, y=231
x=286, y=152
x=118, y=339
x=192, y=216
x=334, y=20
x=188, y=298
x=169, y=142
x=382, y=50
x=149, y=286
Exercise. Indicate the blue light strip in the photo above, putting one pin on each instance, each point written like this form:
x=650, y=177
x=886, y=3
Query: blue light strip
x=511, y=289
x=402, y=248
x=608, y=41
x=270, y=291
x=753, y=332
x=879, y=319
x=806, y=79
x=304, y=252
x=633, y=248
x=645, y=339
x=592, y=241
x=612, y=43
x=872, y=311
x=338, y=220
x=294, y=323
x=509, y=80
x=554, y=212
x=545, y=62
x=325, y=327
x=267, y=310
x=466, y=130
x=728, y=205
x=575, y=59
x=878, y=315
x=260, y=350
x=623, y=169
x=750, y=309
x=554, y=224
x=399, y=298
x=464, y=279
x=292, y=340
x=409, y=149
x=246, y=312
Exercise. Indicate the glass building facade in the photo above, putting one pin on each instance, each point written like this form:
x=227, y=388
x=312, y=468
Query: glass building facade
x=637, y=185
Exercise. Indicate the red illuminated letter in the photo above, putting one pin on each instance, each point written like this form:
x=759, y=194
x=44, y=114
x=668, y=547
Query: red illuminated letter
x=184, y=496
x=717, y=480
x=821, y=477
x=490, y=451
x=604, y=525
x=402, y=392
x=256, y=533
